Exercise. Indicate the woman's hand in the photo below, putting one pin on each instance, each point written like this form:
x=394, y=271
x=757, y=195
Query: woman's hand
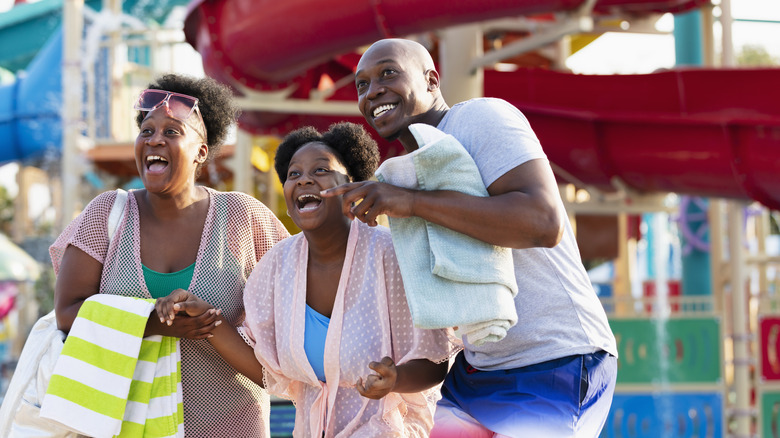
x=413, y=376
x=380, y=384
x=197, y=318
x=182, y=302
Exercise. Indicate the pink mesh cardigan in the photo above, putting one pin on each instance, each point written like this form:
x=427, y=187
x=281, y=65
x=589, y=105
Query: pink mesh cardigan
x=370, y=320
x=238, y=231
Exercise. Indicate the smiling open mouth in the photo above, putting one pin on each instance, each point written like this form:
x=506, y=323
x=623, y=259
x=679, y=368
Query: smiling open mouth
x=308, y=202
x=156, y=163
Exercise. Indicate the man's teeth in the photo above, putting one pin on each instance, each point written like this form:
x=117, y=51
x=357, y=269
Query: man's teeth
x=151, y=158
x=378, y=111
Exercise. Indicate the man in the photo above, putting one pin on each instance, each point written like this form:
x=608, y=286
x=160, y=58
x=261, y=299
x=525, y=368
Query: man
x=554, y=372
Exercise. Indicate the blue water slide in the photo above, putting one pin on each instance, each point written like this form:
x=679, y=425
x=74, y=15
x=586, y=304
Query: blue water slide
x=30, y=122
x=30, y=107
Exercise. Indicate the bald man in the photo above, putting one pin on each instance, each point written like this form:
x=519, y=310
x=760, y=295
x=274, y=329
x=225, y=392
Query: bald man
x=554, y=372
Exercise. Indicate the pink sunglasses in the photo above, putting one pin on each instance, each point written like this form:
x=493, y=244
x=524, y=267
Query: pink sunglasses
x=178, y=105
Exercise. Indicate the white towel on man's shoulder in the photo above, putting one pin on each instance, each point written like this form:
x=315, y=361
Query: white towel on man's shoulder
x=451, y=280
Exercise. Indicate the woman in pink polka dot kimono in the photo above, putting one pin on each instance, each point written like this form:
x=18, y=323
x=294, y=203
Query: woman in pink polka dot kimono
x=326, y=309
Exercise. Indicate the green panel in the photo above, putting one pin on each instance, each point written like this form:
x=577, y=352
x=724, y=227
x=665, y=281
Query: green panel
x=156, y=11
x=770, y=411
x=29, y=26
x=668, y=351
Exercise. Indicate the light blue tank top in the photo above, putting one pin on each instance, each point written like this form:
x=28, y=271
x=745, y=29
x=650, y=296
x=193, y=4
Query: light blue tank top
x=314, y=340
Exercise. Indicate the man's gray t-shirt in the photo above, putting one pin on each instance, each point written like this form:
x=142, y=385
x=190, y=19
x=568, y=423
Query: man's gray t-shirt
x=558, y=311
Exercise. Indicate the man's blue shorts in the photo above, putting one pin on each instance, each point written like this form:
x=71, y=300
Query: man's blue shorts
x=565, y=397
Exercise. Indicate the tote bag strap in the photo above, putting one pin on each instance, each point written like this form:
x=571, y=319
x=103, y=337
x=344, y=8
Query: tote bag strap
x=117, y=211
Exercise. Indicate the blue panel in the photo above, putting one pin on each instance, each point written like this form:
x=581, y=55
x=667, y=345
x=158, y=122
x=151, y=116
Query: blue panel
x=668, y=415
x=282, y=419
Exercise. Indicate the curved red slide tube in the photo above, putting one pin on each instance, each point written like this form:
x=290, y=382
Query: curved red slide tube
x=701, y=132
x=271, y=42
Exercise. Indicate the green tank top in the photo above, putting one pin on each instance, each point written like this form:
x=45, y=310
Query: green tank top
x=161, y=285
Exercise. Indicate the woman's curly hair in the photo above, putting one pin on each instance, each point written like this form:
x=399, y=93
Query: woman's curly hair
x=354, y=147
x=215, y=103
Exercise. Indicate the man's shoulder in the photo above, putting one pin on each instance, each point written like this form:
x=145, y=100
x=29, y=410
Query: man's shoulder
x=480, y=110
x=476, y=113
x=481, y=104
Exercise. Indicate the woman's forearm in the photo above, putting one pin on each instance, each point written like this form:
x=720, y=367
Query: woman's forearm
x=231, y=346
x=419, y=375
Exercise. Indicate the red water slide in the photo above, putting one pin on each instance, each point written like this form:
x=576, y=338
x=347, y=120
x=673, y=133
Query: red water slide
x=700, y=132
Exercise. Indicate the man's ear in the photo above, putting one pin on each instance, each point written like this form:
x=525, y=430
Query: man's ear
x=432, y=78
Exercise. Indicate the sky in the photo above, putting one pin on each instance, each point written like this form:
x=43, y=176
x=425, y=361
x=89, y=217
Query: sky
x=612, y=53
x=633, y=53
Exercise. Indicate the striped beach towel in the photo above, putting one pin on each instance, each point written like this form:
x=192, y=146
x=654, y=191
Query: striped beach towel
x=111, y=381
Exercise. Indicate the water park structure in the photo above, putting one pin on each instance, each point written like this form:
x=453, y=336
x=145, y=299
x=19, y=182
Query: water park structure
x=698, y=349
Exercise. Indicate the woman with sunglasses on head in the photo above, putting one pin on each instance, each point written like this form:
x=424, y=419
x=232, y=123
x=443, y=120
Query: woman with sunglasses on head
x=326, y=309
x=177, y=234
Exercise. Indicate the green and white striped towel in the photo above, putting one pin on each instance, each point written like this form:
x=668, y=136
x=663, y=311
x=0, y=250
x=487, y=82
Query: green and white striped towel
x=111, y=381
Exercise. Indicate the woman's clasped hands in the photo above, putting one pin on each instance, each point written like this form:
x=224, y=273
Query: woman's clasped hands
x=196, y=318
